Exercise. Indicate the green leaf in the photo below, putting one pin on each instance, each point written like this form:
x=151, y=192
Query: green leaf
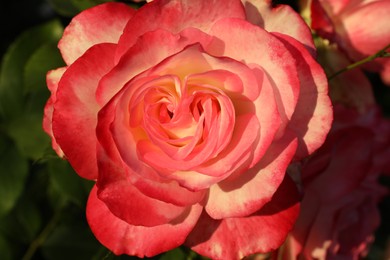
x=176, y=254
x=12, y=99
x=64, y=7
x=24, y=222
x=71, y=8
x=27, y=133
x=85, y=4
x=67, y=183
x=13, y=175
x=5, y=249
x=45, y=58
x=73, y=241
x=24, y=124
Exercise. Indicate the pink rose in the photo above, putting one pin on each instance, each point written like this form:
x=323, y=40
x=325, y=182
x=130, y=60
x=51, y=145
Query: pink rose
x=339, y=210
x=187, y=114
x=359, y=27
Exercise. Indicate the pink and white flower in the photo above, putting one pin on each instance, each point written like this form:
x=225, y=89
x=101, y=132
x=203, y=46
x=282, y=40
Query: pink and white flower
x=187, y=119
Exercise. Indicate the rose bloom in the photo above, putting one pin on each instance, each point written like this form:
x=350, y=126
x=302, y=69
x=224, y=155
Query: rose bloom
x=339, y=211
x=359, y=27
x=187, y=114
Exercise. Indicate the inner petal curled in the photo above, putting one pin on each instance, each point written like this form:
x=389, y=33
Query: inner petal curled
x=180, y=124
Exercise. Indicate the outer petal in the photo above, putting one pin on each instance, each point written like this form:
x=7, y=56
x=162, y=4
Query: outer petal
x=261, y=232
x=75, y=111
x=261, y=13
x=52, y=79
x=122, y=238
x=100, y=24
x=176, y=15
x=313, y=114
x=129, y=204
x=149, y=50
x=243, y=195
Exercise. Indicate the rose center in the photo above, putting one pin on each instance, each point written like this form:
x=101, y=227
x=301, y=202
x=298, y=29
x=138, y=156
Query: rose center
x=187, y=118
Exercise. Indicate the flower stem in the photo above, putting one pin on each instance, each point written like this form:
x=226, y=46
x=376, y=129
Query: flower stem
x=380, y=54
x=42, y=236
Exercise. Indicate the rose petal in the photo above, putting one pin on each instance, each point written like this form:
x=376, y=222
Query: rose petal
x=75, y=110
x=237, y=158
x=123, y=238
x=320, y=20
x=261, y=13
x=261, y=232
x=337, y=6
x=174, y=16
x=100, y=24
x=149, y=50
x=268, y=115
x=242, y=195
x=357, y=36
x=255, y=47
x=313, y=114
x=52, y=79
x=248, y=93
x=126, y=202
